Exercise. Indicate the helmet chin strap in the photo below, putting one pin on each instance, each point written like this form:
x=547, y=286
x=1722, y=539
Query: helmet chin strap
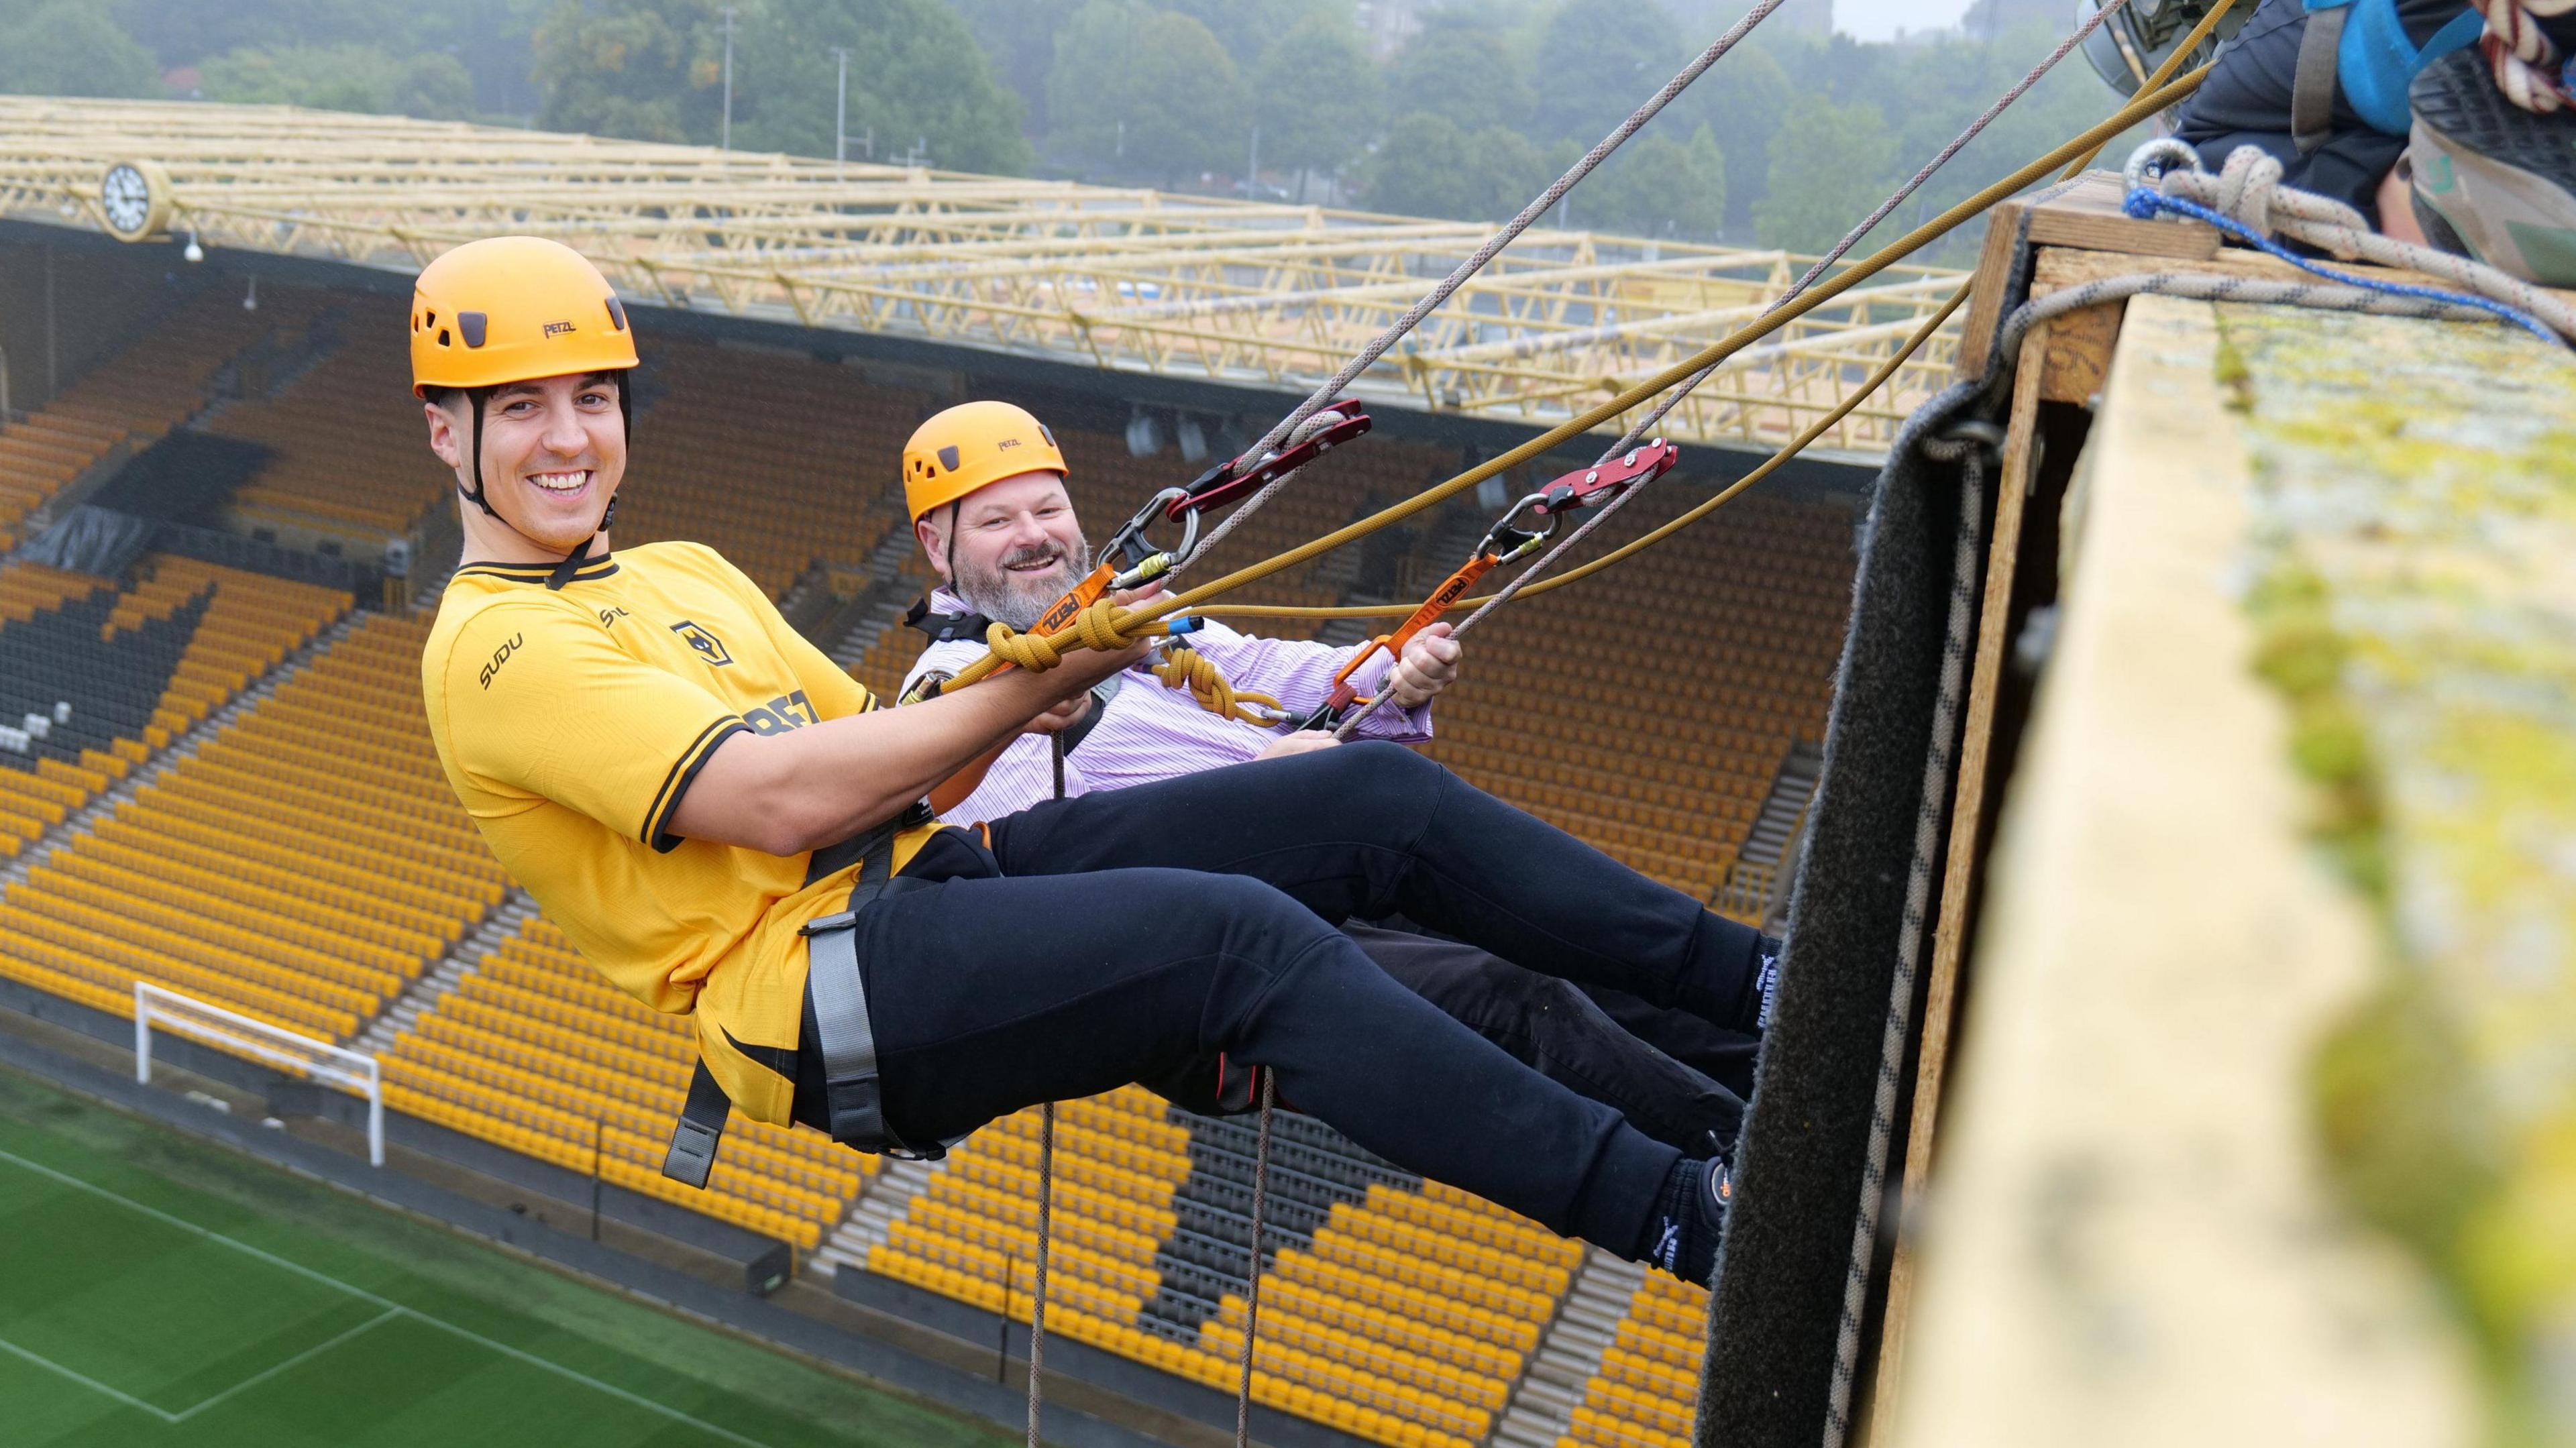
x=564, y=571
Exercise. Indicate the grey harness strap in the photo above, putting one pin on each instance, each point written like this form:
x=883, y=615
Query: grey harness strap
x=844, y=1038
x=2312, y=85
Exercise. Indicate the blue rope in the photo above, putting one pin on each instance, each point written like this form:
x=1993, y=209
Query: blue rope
x=2144, y=202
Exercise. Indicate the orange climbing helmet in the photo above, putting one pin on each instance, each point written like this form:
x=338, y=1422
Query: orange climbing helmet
x=969, y=446
x=511, y=309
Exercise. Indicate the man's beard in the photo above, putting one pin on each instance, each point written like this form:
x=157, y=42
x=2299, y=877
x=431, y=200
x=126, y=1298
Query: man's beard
x=1017, y=599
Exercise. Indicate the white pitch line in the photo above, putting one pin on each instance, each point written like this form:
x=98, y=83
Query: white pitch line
x=93, y=1384
x=299, y=1269
x=272, y=1370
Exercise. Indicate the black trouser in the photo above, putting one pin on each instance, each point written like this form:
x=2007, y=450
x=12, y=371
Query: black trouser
x=1566, y=1032
x=1571, y=1035
x=1131, y=931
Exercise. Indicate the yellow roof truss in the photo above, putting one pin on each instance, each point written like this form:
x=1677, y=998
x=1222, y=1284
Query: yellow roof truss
x=1255, y=294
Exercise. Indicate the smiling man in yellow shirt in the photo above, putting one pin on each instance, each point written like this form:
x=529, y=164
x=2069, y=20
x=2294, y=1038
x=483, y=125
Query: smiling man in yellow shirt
x=727, y=826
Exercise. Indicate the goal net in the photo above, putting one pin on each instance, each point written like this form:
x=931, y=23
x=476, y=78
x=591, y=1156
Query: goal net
x=316, y=1060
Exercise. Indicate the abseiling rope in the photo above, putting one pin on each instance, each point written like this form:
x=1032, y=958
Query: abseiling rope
x=2162, y=79
x=1528, y=579
x=1368, y=356
x=1106, y=622
x=1870, y=222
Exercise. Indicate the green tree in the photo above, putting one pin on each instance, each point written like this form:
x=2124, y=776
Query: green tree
x=344, y=78
x=915, y=75
x=1467, y=74
x=1018, y=38
x=1246, y=28
x=1740, y=105
x=648, y=70
x=1315, y=97
x=1659, y=185
x=1598, y=59
x=490, y=38
x=1427, y=166
x=1829, y=166
x=1144, y=91
x=72, y=48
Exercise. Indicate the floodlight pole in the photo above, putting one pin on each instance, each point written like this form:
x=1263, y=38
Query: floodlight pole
x=841, y=108
x=726, y=140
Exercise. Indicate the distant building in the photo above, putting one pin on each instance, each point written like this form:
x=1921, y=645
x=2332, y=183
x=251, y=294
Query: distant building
x=1390, y=23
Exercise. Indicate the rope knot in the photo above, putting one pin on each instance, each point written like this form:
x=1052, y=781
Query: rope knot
x=1102, y=627
x=2246, y=187
x=1185, y=668
x=1032, y=652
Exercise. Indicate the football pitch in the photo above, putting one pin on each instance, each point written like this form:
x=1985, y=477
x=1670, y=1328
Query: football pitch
x=160, y=1291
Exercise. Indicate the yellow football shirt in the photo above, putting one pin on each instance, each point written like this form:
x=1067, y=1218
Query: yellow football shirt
x=570, y=720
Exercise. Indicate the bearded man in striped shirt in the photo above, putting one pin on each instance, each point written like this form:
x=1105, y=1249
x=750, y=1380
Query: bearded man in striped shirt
x=1008, y=547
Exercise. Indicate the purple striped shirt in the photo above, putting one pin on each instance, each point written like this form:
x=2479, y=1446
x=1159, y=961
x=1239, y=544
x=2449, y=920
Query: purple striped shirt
x=1150, y=732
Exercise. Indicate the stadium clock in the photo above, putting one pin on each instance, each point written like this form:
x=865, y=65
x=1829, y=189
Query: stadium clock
x=134, y=197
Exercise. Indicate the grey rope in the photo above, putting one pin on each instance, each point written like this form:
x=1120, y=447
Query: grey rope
x=1969, y=444
x=2248, y=189
x=1037, y=1296
x=2212, y=287
x=1672, y=399
x=1511, y=231
x=1895, y=199
x=1046, y=1208
x=1252, y=1278
x=2202, y=286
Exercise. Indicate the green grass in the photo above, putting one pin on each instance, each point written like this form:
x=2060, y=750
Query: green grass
x=155, y=1290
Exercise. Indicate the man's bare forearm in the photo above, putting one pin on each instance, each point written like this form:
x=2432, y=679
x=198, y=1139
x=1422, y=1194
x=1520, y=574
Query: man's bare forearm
x=795, y=791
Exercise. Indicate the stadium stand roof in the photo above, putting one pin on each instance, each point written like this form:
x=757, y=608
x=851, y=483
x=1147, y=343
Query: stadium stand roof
x=1254, y=294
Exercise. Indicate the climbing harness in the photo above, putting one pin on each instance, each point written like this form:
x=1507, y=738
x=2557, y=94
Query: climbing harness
x=1096, y=621
x=2359, y=49
x=853, y=1098
x=1343, y=710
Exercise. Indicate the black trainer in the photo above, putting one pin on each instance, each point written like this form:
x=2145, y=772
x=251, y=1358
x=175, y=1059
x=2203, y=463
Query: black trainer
x=1692, y=1220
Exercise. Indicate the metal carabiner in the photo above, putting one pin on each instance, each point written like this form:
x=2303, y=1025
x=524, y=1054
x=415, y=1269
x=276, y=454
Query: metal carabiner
x=1507, y=544
x=1134, y=557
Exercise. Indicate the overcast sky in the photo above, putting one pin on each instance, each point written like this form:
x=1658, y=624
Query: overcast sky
x=1880, y=19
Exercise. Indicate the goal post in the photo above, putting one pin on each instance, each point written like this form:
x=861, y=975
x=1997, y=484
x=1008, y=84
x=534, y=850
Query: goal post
x=319, y=1060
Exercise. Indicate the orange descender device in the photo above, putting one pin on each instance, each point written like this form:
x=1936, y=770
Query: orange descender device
x=1503, y=543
